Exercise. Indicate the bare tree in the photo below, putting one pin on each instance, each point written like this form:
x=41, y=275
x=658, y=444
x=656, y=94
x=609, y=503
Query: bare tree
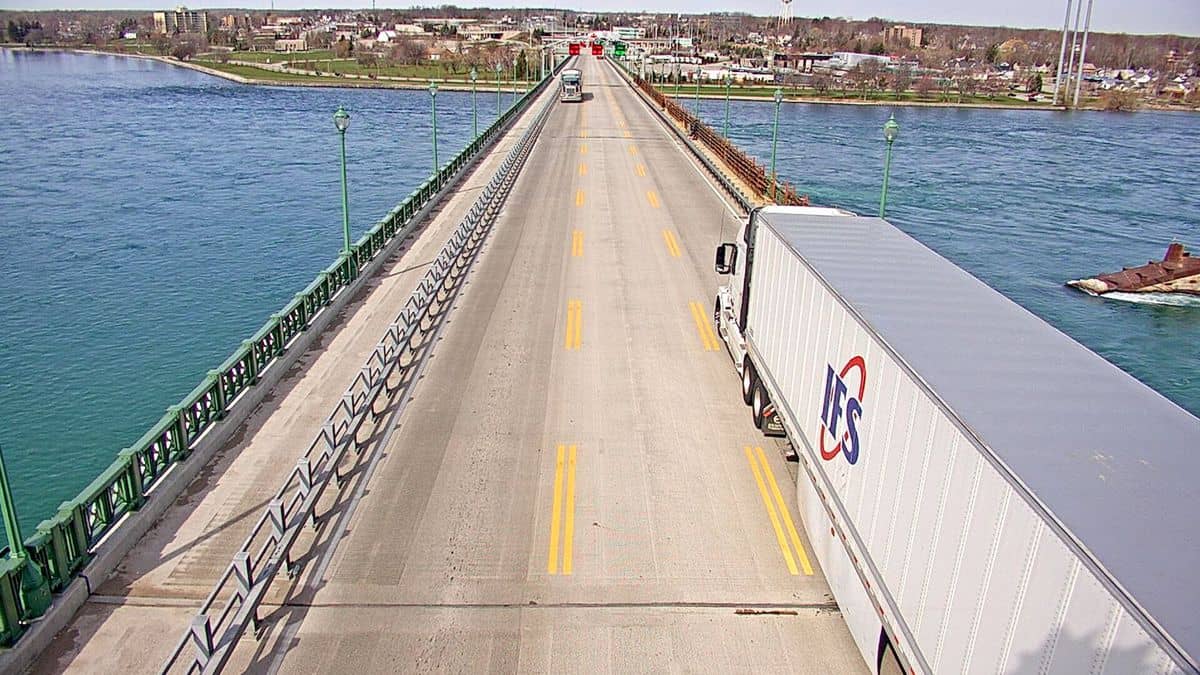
x=925, y=86
x=901, y=80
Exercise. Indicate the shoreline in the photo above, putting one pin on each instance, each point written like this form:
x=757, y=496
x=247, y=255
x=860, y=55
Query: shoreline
x=363, y=82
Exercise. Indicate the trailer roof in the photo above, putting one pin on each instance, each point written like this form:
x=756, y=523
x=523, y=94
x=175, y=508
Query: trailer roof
x=1115, y=462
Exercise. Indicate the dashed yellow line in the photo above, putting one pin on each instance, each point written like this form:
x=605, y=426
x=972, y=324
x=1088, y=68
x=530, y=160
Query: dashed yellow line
x=573, y=335
x=621, y=123
x=628, y=134
x=640, y=169
x=633, y=149
x=583, y=133
x=672, y=244
x=583, y=148
x=577, y=244
x=579, y=197
x=761, y=468
x=563, y=519
x=582, y=169
x=652, y=197
x=703, y=328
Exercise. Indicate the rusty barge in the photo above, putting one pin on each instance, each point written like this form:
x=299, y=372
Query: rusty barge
x=1177, y=272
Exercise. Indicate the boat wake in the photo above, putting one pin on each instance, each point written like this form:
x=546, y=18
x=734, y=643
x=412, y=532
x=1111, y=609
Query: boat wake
x=1164, y=299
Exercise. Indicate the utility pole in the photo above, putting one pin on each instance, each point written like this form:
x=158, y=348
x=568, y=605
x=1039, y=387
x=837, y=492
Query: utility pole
x=1087, y=26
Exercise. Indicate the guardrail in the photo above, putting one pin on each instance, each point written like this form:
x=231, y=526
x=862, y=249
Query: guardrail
x=64, y=543
x=233, y=603
x=743, y=166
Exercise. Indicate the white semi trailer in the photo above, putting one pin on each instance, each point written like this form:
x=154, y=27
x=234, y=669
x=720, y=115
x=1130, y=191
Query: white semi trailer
x=983, y=493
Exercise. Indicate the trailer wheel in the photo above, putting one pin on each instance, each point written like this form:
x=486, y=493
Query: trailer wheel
x=759, y=404
x=749, y=380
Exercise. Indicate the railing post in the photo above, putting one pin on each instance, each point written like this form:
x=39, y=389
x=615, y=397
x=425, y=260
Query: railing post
x=202, y=639
x=251, y=361
x=278, y=527
x=277, y=332
x=243, y=575
x=217, y=382
x=10, y=610
x=179, y=440
x=304, y=470
x=131, y=480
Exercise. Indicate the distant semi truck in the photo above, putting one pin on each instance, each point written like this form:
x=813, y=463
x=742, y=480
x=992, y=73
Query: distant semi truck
x=984, y=494
x=571, y=85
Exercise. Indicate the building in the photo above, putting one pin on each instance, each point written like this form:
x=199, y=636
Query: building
x=905, y=35
x=627, y=33
x=181, y=20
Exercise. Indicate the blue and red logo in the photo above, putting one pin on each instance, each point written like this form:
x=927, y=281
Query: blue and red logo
x=841, y=409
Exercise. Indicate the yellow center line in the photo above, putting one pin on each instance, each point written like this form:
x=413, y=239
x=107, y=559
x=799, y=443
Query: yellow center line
x=640, y=169
x=652, y=197
x=579, y=197
x=672, y=245
x=583, y=148
x=707, y=338
x=633, y=149
x=556, y=514
x=628, y=134
x=582, y=169
x=583, y=133
x=621, y=123
x=762, y=489
x=569, y=525
x=573, y=335
x=787, y=516
x=577, y=244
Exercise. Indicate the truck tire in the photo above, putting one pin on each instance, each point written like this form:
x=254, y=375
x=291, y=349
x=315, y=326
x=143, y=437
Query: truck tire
x=758, y=404
x=749, y=380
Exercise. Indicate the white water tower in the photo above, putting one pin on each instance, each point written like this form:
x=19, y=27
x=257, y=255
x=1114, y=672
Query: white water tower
x=785, y=12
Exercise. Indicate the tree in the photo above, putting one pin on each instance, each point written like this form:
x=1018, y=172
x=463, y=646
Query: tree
x=1119, y=100
x=342, y=48
x=1034, y=84
x=901, y=80
x=992, y=50
x=925, y=86
x=820, y=84
x=368, y=59
x=183, y=49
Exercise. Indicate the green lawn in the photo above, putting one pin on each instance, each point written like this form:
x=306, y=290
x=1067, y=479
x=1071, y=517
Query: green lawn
x=686, y=91
x=280, y=57
x=259, y=74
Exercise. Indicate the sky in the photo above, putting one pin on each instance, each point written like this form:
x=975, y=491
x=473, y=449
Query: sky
x=1145, y=16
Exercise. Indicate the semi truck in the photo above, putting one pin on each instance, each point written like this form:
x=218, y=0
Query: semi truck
x=571, y=85
x=983, y=493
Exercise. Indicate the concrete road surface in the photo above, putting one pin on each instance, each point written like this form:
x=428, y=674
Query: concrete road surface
x=575, y=485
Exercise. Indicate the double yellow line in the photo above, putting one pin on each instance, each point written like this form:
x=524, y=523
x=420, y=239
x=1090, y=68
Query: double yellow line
x=707, y=337
x=579, y=197
x=577, y=244
x=771, y=498
x=640, y=169
x=573, y=337
x=563, y=516
x=672, y=244
x=652, y=197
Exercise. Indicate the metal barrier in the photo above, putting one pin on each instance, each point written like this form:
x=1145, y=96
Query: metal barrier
x=741, y=164
x=64, y=543
x=233, y=603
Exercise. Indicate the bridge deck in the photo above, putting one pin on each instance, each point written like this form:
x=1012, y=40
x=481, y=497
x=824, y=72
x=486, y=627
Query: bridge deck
x=575, y=484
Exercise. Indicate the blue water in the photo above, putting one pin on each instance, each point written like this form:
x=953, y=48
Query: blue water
x=154, y=217
x=1024, y=200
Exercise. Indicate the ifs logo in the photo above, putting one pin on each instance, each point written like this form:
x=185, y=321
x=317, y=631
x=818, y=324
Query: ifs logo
x=840, y=410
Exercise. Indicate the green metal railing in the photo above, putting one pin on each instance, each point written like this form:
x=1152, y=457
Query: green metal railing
x=63, y=543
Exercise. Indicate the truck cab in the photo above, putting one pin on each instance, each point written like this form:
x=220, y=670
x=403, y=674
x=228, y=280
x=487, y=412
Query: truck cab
x=731, y=311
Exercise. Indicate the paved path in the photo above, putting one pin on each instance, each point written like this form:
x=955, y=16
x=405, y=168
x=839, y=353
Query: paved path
x=575, y=486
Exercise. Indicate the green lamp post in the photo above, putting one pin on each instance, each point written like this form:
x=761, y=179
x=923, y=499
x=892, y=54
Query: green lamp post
x=677, y=77
x=696, y=112
x=498, y=67
x=775, y=144
x=433, y=109
x=35, y=590
x=890, y=131
x=474, y=103
x=728, y=83
x=341, y=120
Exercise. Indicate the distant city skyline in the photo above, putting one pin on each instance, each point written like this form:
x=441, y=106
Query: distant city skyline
x=1180, y=17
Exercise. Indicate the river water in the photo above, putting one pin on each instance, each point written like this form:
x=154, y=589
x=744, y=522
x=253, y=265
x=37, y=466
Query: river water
x=154, y=217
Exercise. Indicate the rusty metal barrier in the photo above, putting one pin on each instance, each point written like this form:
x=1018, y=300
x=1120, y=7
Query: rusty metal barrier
x=742, y=165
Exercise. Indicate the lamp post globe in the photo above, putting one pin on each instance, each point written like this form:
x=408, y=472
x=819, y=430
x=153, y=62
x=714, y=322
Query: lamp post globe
x=891, y=131
x=341, y=120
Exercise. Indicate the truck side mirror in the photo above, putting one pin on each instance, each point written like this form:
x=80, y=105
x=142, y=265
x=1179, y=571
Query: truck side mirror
x=726, y=258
